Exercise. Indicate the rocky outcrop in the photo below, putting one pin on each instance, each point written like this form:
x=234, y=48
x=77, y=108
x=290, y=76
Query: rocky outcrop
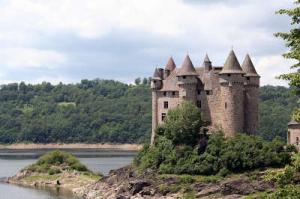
x=128, y=183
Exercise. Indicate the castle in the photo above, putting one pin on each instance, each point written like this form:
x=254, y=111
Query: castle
x=227, y=96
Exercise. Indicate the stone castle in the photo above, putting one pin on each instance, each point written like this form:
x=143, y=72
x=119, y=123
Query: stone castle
x=227, y=96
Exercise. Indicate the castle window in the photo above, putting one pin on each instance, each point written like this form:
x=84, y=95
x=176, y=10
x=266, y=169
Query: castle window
x=183, y=77
x=297, y=140
x=163, y=117
x=165, y=93
x=154, y=81
x=225, y=105
x=199, y=104
x=208, y=92
x=199, y=92
x=166, y=104
x=173, y=93
x=228, y=75
x=248, y=78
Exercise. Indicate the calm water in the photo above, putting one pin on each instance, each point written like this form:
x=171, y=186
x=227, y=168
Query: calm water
x=11, y=161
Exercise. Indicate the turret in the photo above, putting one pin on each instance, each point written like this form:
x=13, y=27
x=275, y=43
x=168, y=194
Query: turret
x=251, y=96
x=170, y=66
x=187, y=81
x=156, y=82
x=232, y=96
x=207, y=64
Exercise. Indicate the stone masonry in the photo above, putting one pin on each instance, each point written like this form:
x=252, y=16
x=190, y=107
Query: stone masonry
x=227, y=95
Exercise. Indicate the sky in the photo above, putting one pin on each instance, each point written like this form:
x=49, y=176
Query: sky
x=69, y=40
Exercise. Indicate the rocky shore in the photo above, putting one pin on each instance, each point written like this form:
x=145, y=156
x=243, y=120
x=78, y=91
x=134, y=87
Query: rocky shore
x=127, y=183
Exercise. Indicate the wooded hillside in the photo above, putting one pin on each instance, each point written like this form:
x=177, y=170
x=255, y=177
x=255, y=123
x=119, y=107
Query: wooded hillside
x=104, y=111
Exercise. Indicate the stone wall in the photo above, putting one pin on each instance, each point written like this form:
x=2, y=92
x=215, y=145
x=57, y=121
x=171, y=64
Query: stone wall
x=294, y=135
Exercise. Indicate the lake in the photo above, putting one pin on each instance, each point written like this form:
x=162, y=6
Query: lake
x=11, y=161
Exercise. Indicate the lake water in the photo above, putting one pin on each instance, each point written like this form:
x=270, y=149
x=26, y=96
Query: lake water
x=11, y=161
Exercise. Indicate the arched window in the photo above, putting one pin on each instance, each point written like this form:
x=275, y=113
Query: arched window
x=297, y=140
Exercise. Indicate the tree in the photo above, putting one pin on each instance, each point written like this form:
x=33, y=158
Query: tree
x=292, y=40
x=137, y=81
x=182, y=124
x=145, y=81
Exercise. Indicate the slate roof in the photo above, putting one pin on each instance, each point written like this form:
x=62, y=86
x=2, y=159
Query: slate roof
x=232, y=65
x=156, y=74
x=248, y=67
x=293, y=122
x=187, y=67
x=170, y=64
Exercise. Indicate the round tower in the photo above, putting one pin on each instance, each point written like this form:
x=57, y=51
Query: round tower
x=170, y=66
x=156, y=84
x=207, y=64
x=232, y=96
x=251, y=96
x=187, y=81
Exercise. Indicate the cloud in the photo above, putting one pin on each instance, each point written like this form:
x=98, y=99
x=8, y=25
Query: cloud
x=124, y=39
x=31, y=58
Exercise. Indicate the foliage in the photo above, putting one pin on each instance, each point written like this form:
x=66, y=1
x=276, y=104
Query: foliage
x=52, y=162
x=275, y=108
x=105, y=111
x=222, y=155
x=90, y=111
x=182, y=124
x=292, y=40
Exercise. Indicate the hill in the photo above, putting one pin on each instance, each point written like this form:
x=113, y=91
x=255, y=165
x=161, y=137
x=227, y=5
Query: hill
x=94, y=111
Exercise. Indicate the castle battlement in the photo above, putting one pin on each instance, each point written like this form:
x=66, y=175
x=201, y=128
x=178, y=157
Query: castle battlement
x=227, y=95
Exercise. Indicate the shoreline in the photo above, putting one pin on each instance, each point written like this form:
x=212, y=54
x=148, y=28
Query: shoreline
x=121, y=147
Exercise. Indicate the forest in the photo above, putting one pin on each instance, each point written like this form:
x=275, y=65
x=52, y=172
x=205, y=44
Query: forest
x=105, y=111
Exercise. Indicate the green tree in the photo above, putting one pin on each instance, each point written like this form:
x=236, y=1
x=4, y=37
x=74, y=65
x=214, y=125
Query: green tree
x=137, y=81
x=292, y=39
x=182, y=124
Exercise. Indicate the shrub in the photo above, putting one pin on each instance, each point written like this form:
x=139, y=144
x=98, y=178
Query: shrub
x=53, y=171
x=182, y=125
x=237, y=154
x=56, y=158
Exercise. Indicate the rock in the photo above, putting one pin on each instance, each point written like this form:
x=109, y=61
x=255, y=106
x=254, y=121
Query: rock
x=209, y=190
x=244, y=187
x=136, y=186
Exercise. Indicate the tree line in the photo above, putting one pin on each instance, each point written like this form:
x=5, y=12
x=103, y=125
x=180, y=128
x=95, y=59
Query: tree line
x=98, y=111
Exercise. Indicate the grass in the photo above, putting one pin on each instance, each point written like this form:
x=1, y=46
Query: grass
x=187, y=179
x=41, y=177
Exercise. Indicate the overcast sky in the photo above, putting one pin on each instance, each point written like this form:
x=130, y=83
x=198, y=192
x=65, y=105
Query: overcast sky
x=70, y=40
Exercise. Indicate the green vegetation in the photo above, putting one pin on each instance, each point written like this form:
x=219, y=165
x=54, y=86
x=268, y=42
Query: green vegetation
x=217, y=156
x=56, y=161
x=101, y=111
x=91, y=111
x=275, y=109
x=292, y=39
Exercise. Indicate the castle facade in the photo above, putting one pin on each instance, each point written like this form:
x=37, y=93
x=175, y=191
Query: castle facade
x=226, y=95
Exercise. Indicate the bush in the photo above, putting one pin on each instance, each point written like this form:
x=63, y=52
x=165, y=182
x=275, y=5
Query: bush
x=182, y=125
x=53, y=171
x=49, y=162
x=237, y=154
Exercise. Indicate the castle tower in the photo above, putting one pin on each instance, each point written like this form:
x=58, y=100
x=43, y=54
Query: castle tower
x=232, y=96
x=187, y=81
x=251, y=96
x=207, y=64
x=169, y=67
x=156, y=84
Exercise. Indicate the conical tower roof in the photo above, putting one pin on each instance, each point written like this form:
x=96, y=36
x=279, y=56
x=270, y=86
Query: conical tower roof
x=248, y=67
x=293, y=122
x=232, y=65
x=170, y=65
x=206, y=59
x=156, y=74
x=187, y=68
